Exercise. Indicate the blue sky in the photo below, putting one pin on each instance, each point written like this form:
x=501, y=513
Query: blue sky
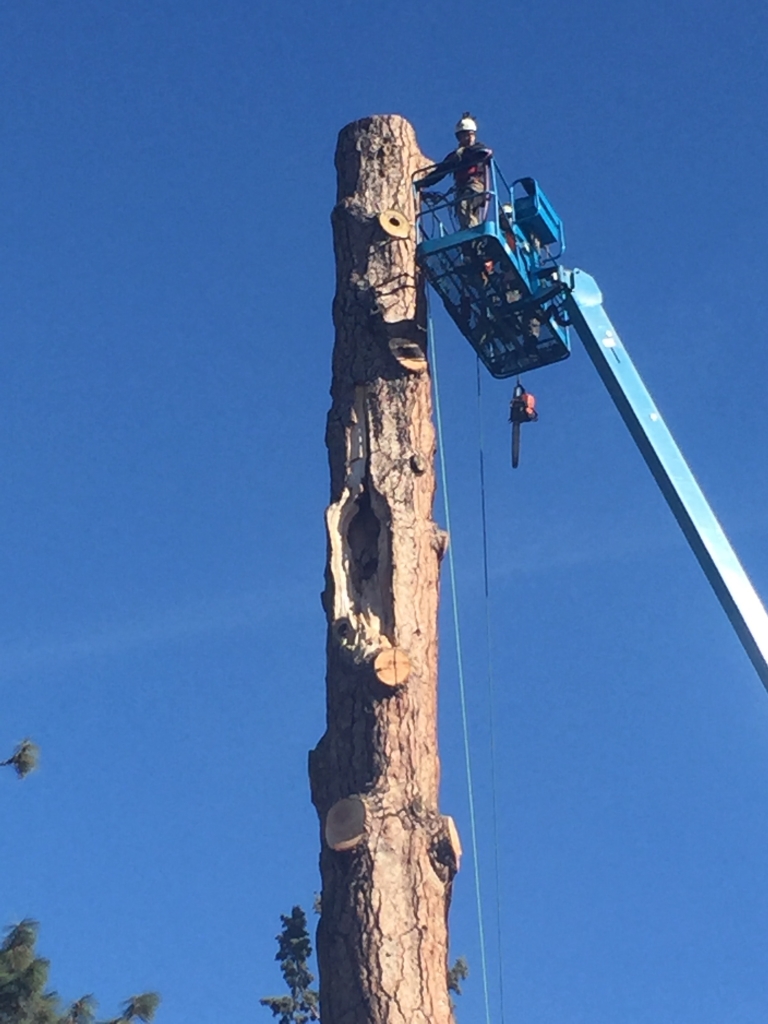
x=165, y=187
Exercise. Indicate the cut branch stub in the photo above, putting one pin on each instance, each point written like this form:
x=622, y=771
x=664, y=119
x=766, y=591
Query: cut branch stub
x=395, y=223
x=409, y=354
x=453, y=836
x=345, y=823
x=392, y=666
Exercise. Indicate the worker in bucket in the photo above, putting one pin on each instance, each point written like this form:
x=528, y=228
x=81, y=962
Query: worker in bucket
x=468, y=164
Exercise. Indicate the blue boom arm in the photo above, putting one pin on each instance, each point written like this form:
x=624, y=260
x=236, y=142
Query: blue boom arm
x=498, y=276
x=584, y=306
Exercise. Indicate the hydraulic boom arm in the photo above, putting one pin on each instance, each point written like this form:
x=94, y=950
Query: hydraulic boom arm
x=665, y=460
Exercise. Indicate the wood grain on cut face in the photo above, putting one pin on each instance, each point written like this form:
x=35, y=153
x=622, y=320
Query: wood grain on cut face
x=345, y=823
x=392, y=666
x=383, y=938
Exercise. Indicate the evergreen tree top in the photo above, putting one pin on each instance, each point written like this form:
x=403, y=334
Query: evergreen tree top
x=294, y=949
x=24, y=998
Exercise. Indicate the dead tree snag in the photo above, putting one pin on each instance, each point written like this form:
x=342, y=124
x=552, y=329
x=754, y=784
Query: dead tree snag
x=388, y=856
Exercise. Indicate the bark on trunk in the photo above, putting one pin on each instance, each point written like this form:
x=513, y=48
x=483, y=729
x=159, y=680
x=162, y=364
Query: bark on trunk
x=388, y=856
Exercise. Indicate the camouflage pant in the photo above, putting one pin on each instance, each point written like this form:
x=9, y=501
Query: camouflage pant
x=470, y=204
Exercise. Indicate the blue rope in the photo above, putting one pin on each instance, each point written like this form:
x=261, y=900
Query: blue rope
x=491, y=690
x=462, y=688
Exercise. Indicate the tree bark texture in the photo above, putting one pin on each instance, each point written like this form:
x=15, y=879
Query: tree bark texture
x=388, y=856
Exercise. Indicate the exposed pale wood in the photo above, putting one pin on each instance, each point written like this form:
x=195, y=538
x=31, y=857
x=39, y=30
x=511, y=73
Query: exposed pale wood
x=453, y=836
x=395, y=223
x=408, y=354
x=345, y=823
x=392, y=666
x=382, y=940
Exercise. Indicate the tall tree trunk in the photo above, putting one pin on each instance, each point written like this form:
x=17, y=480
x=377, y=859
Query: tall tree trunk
x=388, y=856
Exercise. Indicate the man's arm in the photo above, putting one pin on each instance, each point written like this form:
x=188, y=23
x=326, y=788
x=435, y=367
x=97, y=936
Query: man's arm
x=478, y=153
x=442, y=170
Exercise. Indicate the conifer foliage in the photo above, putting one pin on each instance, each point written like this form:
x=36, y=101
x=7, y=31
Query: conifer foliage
x=24, y=758
x=458, y=973
x=23, y=977
x=24, y=998
x=293, y=951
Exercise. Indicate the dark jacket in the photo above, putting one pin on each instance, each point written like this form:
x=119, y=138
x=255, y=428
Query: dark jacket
x=465, y=163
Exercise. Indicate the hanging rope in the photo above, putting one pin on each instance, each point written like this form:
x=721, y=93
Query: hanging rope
x=491, y=689
x=462, y=688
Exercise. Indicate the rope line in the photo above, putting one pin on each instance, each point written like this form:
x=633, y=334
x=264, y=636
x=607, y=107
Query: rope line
x=491, y=690
x=462, y=688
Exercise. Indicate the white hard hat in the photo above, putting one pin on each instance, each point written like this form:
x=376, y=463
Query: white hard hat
x=466, y=123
